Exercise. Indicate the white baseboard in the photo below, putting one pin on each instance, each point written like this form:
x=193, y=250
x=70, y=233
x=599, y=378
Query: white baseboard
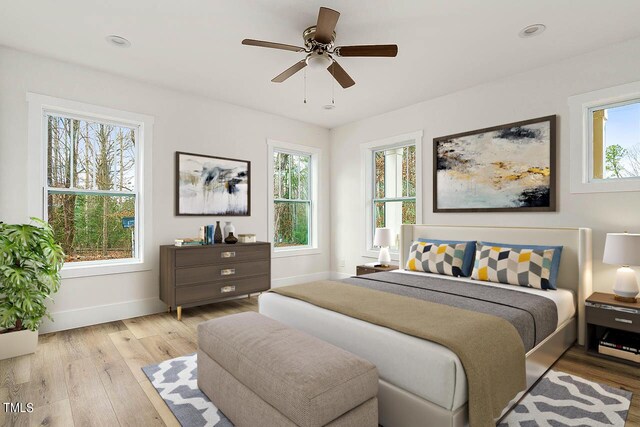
x=94, y=315
x=304, y=278
x=339, y=276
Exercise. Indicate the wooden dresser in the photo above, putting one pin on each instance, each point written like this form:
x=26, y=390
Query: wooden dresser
x=198, y=275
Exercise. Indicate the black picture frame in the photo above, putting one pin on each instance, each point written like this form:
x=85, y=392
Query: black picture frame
x=180, y=210
x=550, y=207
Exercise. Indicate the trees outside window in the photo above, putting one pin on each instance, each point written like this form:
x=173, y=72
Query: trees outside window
x=91, y=187
x=394, y=188
x=292, y=199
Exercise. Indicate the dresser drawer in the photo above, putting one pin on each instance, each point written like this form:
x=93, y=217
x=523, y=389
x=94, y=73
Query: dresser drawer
x=613, y=319
x=221, y=289
x=228, y=271
x=221, y=254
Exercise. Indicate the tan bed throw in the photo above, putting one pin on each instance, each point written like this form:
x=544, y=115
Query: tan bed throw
x=489, y=347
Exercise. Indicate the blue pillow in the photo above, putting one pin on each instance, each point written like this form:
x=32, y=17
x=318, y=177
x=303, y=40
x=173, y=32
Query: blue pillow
x=555, y=261
x=469, y=252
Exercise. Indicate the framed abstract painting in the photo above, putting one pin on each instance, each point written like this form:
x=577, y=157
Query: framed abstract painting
x=209, y=185
x=505, y=168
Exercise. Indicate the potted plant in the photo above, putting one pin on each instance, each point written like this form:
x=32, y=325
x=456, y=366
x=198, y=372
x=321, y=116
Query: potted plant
x=30, y=263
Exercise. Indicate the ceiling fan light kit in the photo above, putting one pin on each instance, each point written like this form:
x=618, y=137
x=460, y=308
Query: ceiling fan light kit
x=319, y=41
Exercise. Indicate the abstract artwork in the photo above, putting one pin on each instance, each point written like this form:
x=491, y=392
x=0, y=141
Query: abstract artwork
x=208, y=185
x=500, y=169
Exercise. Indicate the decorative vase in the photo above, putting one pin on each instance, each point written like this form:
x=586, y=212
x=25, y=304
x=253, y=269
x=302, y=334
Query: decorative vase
x=228, y=228
x=217, y=236
x=231, y=239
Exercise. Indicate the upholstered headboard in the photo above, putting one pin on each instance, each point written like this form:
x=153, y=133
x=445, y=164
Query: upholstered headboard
x=575, y=264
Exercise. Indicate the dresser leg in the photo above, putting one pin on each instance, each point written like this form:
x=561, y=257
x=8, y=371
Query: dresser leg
x=168, y=309
x=179, y=312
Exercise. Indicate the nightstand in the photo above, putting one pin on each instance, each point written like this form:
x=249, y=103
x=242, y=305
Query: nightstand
x=361, y=270
x=603, y=312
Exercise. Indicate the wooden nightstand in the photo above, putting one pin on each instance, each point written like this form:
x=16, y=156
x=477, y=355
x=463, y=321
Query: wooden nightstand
x=603, y=312
x=361, y=270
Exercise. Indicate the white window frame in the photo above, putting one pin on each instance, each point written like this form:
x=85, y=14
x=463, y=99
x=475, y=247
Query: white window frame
x=315, y=153
x=581, y=108
x=39, y=106
x=367, y=149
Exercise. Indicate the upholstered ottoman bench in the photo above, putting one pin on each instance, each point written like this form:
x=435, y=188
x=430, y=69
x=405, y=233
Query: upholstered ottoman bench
x=259, y=372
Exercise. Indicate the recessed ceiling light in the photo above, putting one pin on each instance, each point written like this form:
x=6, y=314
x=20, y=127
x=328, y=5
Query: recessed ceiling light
x=118, y=41
x=532, y=30
x=329, y=106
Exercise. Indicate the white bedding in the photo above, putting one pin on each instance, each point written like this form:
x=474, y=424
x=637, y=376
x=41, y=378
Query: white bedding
x=421, y=367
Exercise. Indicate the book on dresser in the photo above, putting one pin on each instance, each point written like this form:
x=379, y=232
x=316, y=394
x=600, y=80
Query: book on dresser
x=198, y=275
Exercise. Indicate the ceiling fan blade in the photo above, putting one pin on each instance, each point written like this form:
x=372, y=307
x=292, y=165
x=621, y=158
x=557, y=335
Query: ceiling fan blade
x=289, y=71
x=260, y=43
x=327, y=20
x=368, y=50
x=340, y=75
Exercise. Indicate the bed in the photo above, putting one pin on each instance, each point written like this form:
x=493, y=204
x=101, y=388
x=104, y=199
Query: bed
x=423, y=383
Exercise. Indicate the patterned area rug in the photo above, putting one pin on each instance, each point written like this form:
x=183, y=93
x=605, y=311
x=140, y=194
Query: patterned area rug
x=176, y=381
x=558, y=400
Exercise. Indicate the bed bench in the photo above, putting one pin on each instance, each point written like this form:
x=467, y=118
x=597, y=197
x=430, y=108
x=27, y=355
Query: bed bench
x=258, y=371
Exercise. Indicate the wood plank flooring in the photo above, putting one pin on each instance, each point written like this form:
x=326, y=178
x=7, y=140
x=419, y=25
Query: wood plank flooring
x=91, y=376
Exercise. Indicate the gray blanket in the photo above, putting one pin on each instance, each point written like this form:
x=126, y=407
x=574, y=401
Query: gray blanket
x=535, y=317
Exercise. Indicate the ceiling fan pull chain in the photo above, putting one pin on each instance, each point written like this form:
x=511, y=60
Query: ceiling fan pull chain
x=305, y=86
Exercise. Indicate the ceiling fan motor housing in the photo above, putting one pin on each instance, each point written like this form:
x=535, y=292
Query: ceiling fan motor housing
x=312, y=44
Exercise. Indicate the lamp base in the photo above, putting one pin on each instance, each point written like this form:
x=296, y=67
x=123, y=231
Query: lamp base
x=631, y=300
x=384, y=257
x=626, y=287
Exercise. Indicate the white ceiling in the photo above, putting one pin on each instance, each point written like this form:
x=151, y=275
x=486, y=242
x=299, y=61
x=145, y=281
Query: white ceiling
x=194, y=45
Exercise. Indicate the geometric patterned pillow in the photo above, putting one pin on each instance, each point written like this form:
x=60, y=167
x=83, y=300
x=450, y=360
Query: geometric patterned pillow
x=432, y=258
x=523, y=267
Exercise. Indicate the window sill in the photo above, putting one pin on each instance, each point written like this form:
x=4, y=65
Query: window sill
x=283, y=253
x=87, y=269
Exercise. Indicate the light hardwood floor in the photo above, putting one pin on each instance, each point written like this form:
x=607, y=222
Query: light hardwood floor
x=91, y=376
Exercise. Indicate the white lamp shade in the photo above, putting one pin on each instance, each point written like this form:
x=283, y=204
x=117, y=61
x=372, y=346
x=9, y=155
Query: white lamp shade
x=622, y=249
x=383, y=237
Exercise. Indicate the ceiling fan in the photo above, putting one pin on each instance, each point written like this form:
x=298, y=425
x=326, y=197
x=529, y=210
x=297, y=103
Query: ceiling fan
x=319, y=42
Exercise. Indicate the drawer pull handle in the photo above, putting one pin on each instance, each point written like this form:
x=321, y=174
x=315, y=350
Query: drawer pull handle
x=226, y=289
x=228, y=255
x=624, y=320
x=228, y=272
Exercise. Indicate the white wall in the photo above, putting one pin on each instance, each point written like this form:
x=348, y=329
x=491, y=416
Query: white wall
x=540, y=92
x=183, y=122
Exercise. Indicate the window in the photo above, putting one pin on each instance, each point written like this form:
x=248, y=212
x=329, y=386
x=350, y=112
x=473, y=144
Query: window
x=394, y=188
x=91, y=187
x=605, y=140
x=615, y=141
x=392, y=192
x=293, y=172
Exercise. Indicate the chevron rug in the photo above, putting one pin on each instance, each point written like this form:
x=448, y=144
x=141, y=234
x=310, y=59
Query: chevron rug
x=558, y=400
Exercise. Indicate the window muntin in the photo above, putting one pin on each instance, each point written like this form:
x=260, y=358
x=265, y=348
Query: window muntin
x=614, y=141
x=91, y=189
x=394, y=188
x=292, y=199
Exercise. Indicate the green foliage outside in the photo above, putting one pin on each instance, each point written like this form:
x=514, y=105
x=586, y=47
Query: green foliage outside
x=614, y=156
x=292, y=204
x=87, y=162
x=30, y=263
x=407, y=173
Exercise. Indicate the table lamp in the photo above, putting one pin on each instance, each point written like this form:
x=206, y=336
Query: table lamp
x=623, y=249
x=382, y=239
